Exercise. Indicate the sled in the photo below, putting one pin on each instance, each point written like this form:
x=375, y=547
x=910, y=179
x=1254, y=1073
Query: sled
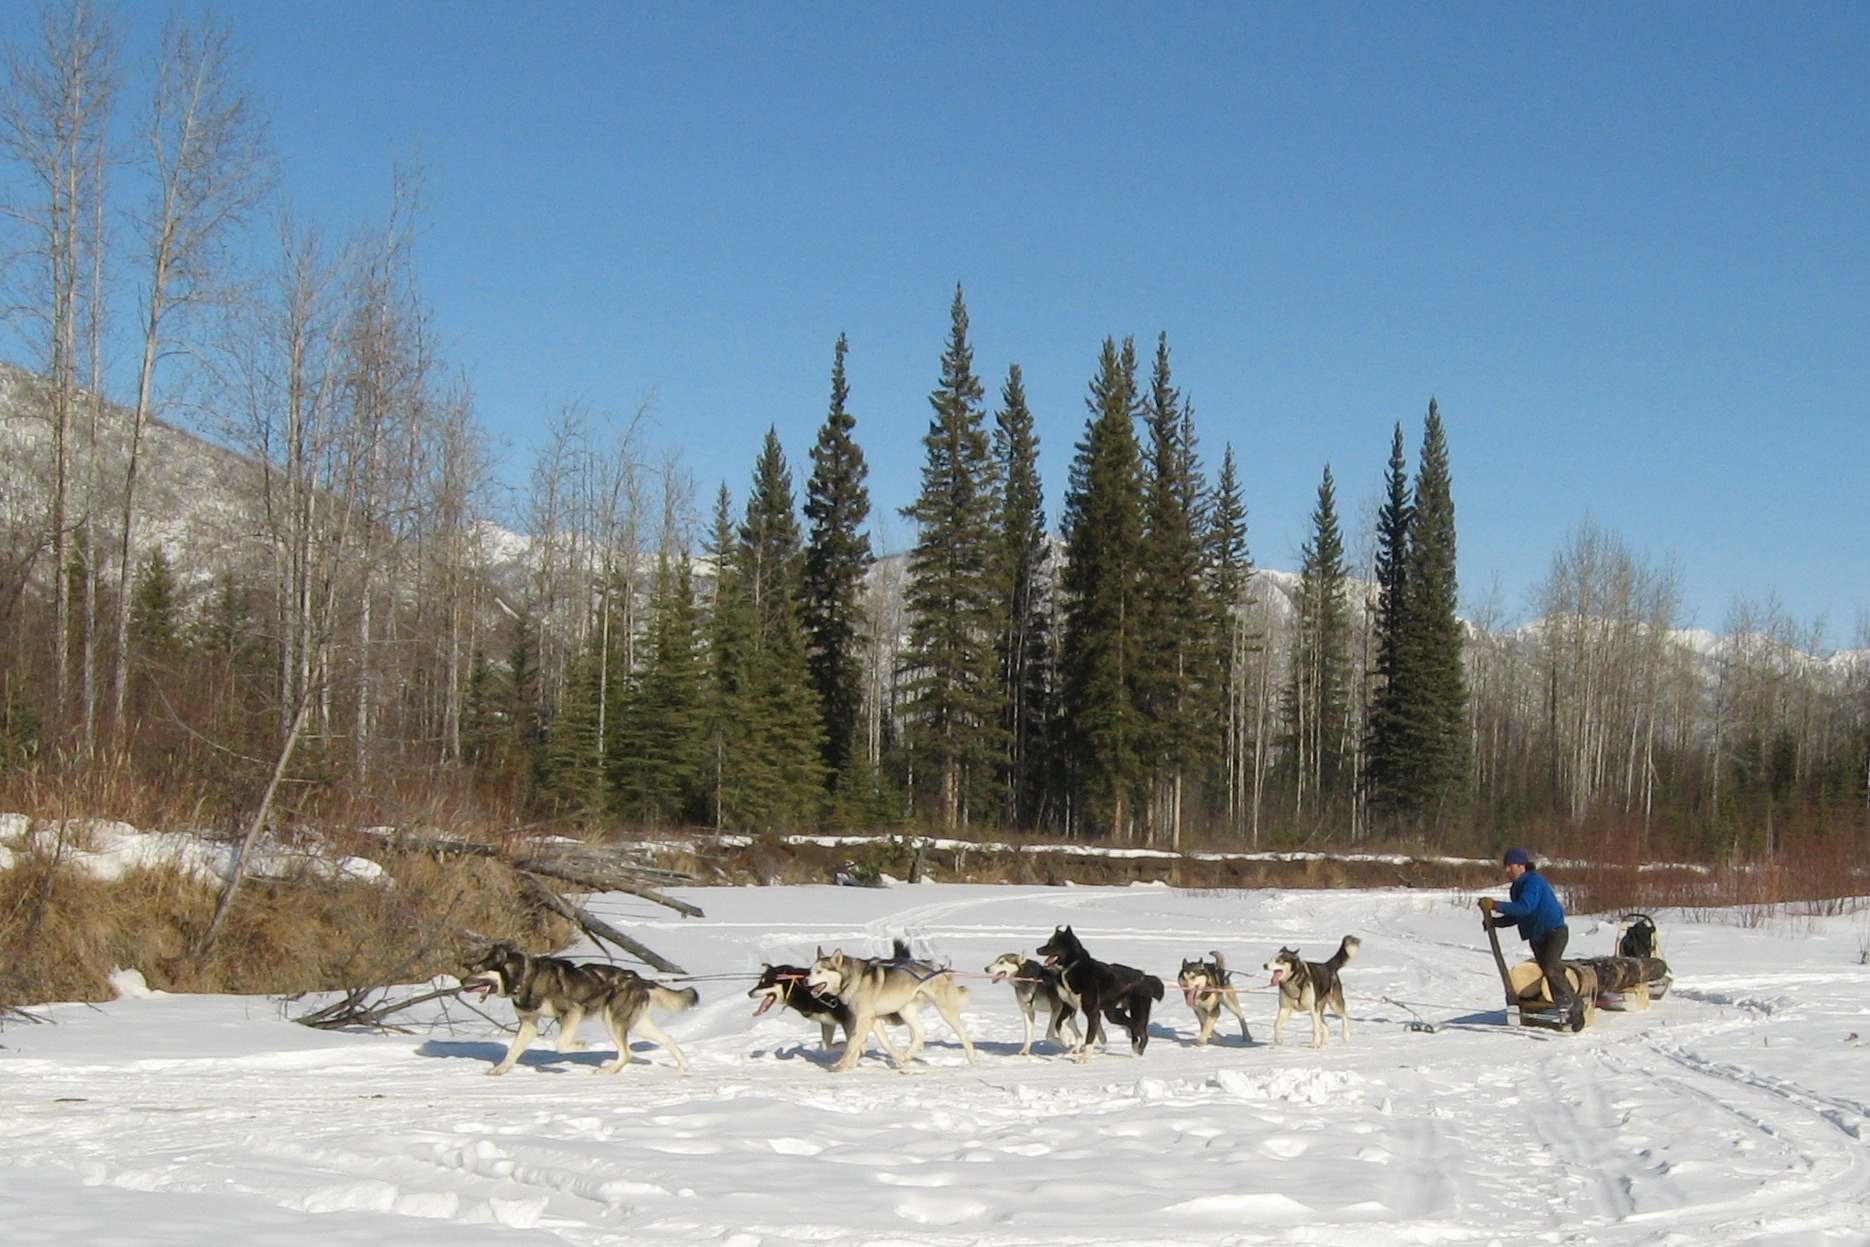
x=1625, y=983
x=1529, y=1002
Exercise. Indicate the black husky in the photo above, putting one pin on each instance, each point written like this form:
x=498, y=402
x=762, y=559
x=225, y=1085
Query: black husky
x=1101, y=990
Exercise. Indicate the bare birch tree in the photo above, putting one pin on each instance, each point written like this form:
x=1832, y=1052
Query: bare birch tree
x=61, y=89
x=205, y=156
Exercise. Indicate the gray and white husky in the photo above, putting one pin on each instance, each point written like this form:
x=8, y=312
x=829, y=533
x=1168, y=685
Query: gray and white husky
x=1206, y=988
x=875, y=988
x=1035, y=983
x=552, y=987
x=1311, y=986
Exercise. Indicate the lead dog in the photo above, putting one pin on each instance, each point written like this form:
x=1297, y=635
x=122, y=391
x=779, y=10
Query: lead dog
x=553, y=987
x=1100, y=990
x=785, y=986
x=1206, y=989
x=1311, y=986
x=1034, y=984
x=874, y=989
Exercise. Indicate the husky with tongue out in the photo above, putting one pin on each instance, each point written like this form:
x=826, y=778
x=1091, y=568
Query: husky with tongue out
x=1311, y=986
x=1206, y=988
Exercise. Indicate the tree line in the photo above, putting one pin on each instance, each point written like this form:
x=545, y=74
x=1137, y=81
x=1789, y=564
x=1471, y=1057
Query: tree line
x=359, y=632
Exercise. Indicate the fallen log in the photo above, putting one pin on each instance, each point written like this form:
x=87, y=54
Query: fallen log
x=596, y=927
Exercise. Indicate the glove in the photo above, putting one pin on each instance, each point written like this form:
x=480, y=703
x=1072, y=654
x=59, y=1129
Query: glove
x=1486, y=905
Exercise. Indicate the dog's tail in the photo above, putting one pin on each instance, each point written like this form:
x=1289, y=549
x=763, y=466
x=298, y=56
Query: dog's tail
x=1220, y=963
x=1345, y=952
x=673, y=1000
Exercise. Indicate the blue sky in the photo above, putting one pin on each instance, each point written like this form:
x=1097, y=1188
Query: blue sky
x=1625, y=247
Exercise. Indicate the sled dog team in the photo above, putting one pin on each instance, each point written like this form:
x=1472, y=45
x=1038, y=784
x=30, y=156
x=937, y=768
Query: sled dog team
x=864, y=996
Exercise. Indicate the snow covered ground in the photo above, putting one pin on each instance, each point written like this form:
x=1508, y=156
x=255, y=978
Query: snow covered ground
x=1736, y=1110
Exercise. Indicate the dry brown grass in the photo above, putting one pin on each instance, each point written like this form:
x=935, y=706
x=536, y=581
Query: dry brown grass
x=63, y=932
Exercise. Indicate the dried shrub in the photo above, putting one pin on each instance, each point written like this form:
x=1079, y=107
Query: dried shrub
x=65, y=931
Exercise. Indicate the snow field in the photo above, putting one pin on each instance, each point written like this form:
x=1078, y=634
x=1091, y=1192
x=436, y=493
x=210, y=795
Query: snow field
x=1735, y=1110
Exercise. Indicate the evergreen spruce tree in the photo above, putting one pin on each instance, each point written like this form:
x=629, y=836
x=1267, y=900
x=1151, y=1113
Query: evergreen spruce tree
x=1024, y=650
x=156, y=613
x=1390, y=743
x=953, y=699
x=766, y=732
x=1176, y=643
x=837, y=556
x=571, y=759
x=481, y=726
x=659, y=754
x=1100, y=652
x=1230, y=566
x=21, y=733
x=1316, y=706
x=736, y=773
x=768, y=552
x=1438, y=786
x=520, y=711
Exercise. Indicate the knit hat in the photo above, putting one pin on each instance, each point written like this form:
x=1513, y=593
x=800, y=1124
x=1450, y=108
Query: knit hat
x=1517, y=857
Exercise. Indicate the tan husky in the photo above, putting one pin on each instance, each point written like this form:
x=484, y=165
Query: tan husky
x=874, y=988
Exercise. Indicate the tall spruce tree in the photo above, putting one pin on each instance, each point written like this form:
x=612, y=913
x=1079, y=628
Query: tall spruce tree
x=659, y=755
x=768, y=736
x=1024, y=650
x=953, y=696
x=837, y=555
x=572, y=761
x=1390, y=741
x=768, y=552
x=1175, y=646
x=1102, y=583
x=1316, y=695
x=736, y=773
x=1230, y=566
x=1436, y=785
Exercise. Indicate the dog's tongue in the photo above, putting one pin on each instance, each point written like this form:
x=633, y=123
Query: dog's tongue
x=1188, y=994
x=483, y=990
x=766, y=1002
x=1278, y=977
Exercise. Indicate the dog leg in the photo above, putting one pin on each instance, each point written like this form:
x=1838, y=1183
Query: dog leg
x=1279, y=1021
x=656, y=1034
x=1028, y=1009
x=1318, y=1024
x=619, y=1035
x=855, y=1036
x=912, y=1018
x=568, y=1030
x=528, y=1031
x=1344, y=1017
x=952, y=1016
x=1093, y=1025
x=825, y=1031
x=1232, y=1001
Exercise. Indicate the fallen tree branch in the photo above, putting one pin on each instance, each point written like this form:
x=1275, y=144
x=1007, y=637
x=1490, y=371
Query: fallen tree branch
x=596, y=927
x=347, y=1012
x=598, y=883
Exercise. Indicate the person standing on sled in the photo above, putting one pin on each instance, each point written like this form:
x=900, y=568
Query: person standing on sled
x=1533, y=907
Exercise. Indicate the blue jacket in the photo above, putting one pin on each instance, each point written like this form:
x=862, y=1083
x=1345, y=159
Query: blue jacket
x=1533, y=906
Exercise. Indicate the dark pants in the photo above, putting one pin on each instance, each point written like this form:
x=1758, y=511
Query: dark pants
x=1549, y=952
